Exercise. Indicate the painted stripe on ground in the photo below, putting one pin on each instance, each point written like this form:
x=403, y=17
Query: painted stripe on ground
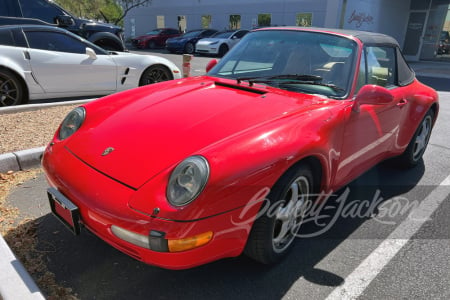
x=362, y=276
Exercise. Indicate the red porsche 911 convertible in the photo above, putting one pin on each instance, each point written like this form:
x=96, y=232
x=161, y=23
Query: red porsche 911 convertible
x=188, y=171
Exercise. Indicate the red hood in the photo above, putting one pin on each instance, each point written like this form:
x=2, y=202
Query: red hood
x=151, y=131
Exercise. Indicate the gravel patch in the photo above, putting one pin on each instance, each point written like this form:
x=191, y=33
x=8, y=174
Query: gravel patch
x=30, y=129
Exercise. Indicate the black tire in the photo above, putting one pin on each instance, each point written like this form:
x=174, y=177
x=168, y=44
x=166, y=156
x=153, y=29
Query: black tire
x=223, y=49
x=108, y=41
x=189, y=48
x=151, y=45
x=12, y=91
x=273, y=233
x=154, y=74
x=418, y=144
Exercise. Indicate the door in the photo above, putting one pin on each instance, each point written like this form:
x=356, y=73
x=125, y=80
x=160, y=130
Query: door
x=370, y=133
x=414, y=34
x=60, y=65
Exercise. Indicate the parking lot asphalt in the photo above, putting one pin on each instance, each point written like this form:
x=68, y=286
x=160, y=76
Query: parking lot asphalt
x=14, y=280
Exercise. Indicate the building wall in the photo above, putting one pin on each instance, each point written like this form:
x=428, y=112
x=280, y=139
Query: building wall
x=325, y=13
x=385, y=16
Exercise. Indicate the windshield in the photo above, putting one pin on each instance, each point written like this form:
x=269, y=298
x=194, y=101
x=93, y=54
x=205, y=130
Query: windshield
x=222, y=35
x=307, y=62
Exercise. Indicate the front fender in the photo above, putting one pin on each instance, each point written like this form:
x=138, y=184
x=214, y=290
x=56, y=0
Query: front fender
x=14, y=59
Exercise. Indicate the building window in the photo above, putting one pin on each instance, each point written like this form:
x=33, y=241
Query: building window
x=235, y=21
x=182, y=23
x=160, y=23
x=206, y=21
x=264, y=20
x=304, y=19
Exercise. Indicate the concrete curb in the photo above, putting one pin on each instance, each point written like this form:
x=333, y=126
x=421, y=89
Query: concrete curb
x=15, y=282
x=21, y=160
x=37, y=106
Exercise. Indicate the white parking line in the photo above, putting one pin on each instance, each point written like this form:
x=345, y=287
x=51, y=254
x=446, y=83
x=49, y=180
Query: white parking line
x=360, y=278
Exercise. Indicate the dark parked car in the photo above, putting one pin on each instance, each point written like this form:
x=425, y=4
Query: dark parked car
x=45, y=12
x=444, y=43
x=186, y=42
x=155, y=38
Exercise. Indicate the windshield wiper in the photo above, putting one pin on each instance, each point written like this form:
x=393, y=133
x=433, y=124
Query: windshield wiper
x=268, y=79
x=289, y=79
x=332, y=86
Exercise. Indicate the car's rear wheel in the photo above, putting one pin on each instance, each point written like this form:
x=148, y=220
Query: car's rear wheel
x=418, y=144
x=223, y=49
x=274, y=231
x=12, y=91
x=189, y=48
x=108, y=41
x=154, y=74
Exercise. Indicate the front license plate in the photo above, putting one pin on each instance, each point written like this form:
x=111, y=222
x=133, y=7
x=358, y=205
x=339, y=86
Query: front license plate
x=64, y=210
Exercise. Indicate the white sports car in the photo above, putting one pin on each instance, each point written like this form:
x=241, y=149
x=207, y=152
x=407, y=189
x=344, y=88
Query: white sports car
x=220, y=43
x=40, y=62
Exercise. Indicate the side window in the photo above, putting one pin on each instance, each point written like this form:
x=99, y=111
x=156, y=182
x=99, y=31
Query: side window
x=6, y=38
x=381, y=65
x=6, y=9
x=240, y=34
x=40, y=9
x=54, y=41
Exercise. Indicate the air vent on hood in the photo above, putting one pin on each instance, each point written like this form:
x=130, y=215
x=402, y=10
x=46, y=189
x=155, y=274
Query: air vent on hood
x=242, y=88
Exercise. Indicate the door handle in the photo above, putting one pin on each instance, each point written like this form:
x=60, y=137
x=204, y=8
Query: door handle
x=402, y=102
x=26, y=54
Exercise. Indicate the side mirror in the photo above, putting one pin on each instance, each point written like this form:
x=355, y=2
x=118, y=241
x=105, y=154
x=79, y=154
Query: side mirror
x=212, y=63
x=91, y=53
x=372, y=94
x=64, y=21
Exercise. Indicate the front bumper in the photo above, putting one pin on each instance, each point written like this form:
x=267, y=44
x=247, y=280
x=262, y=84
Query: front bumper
x=206, y=49
x=138, y=43
x=103, y=207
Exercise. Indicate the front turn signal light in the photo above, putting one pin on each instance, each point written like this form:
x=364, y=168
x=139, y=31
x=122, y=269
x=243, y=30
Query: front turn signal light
x=189, y=243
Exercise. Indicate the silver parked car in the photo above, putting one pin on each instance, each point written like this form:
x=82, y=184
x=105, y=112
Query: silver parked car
x=41, y=62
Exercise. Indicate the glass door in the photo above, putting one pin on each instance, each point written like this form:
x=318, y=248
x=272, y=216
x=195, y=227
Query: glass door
x=414, y=34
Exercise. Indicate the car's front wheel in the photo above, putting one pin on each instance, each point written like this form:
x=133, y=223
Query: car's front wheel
x=189, y=48
x=154, y=74
x=12, y=91
x=279, y=221
x=223, y=49
x=416, y=147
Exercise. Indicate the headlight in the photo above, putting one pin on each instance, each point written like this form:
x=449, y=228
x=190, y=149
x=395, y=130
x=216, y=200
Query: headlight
x=71, y=122
x=187, y=180
x=213, y=43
